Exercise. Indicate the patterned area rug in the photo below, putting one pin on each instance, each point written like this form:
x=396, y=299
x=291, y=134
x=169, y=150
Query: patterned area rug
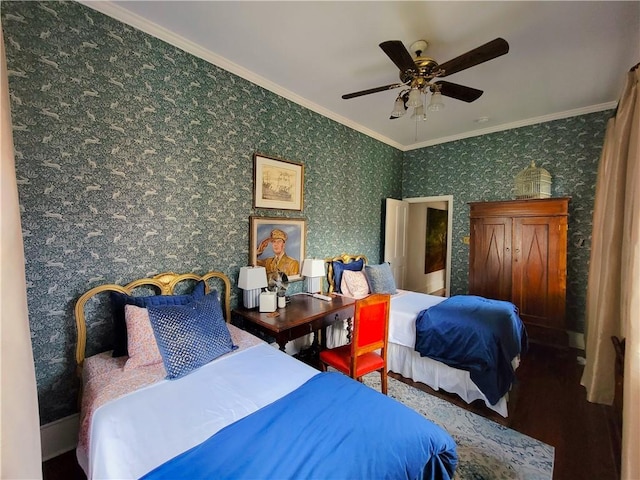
x=486, y=450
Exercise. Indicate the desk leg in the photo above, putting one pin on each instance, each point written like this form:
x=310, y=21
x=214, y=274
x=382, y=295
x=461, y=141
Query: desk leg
x=282, y=342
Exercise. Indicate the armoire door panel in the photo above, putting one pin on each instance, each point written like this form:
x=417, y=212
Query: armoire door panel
x=491, y=257
x=530, y=268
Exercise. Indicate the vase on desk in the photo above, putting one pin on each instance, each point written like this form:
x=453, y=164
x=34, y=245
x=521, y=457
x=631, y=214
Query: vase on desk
x=282, y=300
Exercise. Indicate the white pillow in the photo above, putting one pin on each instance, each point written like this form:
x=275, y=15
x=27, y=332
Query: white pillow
x=354, y=284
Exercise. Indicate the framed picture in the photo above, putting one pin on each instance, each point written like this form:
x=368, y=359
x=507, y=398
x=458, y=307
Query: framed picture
x=435, y=257
x=277, y=183
x=278, y=244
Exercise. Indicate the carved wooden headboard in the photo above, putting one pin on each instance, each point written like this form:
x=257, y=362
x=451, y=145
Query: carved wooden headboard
x=344, y=258
x=168, y=283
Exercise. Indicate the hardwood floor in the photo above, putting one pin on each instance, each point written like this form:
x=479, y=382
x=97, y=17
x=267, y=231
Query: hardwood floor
x=547, y=403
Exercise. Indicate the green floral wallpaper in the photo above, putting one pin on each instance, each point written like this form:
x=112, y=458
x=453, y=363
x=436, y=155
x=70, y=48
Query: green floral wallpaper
x=134, y=157
x=483, y=168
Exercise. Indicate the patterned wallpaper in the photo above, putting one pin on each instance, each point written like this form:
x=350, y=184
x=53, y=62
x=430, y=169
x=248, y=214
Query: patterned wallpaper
x=134, y=157
x=483, y=168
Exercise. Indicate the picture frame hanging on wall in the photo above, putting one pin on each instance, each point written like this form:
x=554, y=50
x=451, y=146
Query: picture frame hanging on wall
x=277, y=184
x=278, y=244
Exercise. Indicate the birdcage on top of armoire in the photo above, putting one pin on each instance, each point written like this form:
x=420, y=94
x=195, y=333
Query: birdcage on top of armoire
x=533, y=182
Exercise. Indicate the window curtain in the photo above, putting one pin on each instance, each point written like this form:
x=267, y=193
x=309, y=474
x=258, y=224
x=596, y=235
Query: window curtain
x=20, y=451
x=613, y=292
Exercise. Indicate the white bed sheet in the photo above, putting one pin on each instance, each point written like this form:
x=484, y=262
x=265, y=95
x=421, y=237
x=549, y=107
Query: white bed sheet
x=135, y=433
x=405, y=307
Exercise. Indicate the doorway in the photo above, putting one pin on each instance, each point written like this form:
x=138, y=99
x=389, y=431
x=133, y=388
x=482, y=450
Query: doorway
x=424, y=273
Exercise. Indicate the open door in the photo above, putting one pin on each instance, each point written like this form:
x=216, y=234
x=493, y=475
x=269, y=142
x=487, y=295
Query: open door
x=404, y=248
x=395, y=238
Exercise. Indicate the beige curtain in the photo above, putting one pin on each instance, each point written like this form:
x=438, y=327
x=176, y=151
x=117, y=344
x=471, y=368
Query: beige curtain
x=20, y=452
x=613, y=293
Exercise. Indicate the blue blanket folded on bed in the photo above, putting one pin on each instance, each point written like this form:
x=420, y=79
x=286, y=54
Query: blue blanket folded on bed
x=330, y=427
x=475, y=334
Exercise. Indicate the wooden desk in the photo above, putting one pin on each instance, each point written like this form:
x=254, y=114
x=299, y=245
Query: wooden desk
x=302, y=315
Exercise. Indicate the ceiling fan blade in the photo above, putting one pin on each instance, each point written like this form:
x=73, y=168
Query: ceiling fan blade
x=398, y=54
x=372, y=90
x=484, y=53
x=459, y=92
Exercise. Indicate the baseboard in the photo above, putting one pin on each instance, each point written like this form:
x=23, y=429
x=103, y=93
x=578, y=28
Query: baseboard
x=60, y=436
x=576, y=340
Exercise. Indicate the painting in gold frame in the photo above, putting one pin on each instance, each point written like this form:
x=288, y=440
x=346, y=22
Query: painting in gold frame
x=277, y=184
x=278, y=244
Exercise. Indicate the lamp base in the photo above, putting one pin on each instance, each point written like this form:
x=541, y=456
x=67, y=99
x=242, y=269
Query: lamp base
x=313, y=284
x=251, y=298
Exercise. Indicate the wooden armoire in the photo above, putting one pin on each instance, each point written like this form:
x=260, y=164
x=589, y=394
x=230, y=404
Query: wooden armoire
x=518, y=252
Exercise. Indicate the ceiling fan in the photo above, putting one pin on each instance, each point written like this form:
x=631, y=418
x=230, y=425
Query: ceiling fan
x=417, y=75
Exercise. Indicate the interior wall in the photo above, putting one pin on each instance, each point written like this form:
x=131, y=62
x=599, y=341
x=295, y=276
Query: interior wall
x=483, y=168
x=134, y=157
x=417, y=279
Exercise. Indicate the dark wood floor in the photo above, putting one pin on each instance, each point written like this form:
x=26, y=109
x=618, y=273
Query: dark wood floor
x=547, y=403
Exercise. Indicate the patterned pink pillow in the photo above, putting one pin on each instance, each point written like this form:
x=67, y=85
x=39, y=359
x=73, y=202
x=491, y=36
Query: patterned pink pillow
x=142, y=346
x=354, y=284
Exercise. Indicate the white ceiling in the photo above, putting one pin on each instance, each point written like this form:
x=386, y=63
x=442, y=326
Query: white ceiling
x=566, y=58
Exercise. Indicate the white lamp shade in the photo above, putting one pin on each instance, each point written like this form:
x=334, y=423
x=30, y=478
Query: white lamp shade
x=252, y=277
x=436, y=103
x=398, y=108
x=313, y=267
x=252, y=280
x=418, y=113
x=313, y=270
x=415, y=98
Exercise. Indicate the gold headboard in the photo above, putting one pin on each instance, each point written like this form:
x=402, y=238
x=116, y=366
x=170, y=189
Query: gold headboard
x=344, y=258
x=165, y=283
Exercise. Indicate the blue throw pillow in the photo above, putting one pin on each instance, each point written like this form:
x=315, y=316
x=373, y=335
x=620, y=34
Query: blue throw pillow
x=339, y=267
x=380, y=278
x=190, y=336
x=119, y=300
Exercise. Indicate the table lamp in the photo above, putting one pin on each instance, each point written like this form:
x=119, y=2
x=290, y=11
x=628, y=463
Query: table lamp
x=313, y=271
x=252, y=280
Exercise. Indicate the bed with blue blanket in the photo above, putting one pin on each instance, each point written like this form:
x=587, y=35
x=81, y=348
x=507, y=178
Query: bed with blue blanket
x=442, y=359
x=466, y=345
x=475, y=334
x=253, y=412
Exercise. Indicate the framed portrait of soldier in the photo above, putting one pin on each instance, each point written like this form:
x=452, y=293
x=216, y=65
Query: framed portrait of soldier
x=278, y=244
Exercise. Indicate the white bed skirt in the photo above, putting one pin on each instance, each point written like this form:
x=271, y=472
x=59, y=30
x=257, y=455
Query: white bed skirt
x=408, y=363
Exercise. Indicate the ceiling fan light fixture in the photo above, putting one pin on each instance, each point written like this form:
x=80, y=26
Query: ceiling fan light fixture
x=436, y=104
x=418, y=114
x=398, y=108
x=415, y=98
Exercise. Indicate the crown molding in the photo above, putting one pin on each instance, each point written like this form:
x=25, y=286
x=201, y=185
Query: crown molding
x=115, y=11
x=521, y=123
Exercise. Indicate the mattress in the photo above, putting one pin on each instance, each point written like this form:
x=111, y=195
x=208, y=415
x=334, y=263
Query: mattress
x=133, y=428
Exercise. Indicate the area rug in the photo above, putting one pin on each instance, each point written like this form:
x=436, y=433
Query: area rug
x=486, y=450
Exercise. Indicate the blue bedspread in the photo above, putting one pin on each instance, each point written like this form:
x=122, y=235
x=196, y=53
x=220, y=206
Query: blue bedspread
x=330, y=427
x=475, y=334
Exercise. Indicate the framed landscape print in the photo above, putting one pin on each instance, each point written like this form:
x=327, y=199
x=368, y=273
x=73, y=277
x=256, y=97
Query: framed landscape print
x=277, y=183
x=278, y=244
